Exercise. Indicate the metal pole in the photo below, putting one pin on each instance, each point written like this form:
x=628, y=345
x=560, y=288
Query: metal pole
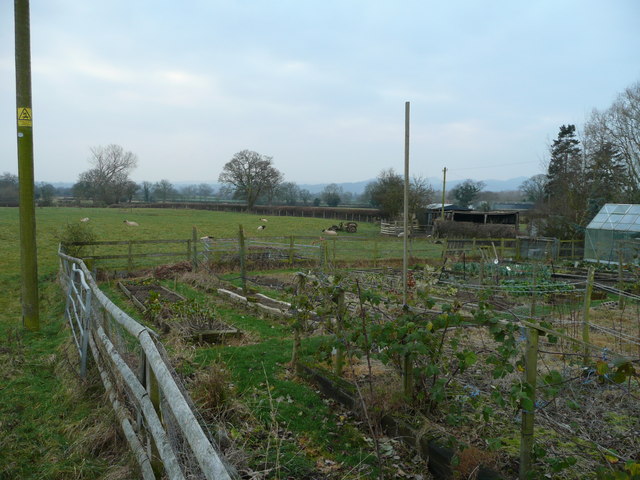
x=406, y=203
x=28, y=251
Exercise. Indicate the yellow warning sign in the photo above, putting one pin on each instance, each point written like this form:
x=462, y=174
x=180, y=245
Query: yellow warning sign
x=24, y=117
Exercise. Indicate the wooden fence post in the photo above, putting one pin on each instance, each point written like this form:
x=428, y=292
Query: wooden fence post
x=130, y=258
x=533, y=290
x=154, y=395
x=243, y=273
x=194, y=241
x=528, y=416
x=338, y=359
x=298, y=327
x=334, y=253
x=375, y=253
x=620, y=297
x=585, y=315
x=407, y=375
x=291, y=250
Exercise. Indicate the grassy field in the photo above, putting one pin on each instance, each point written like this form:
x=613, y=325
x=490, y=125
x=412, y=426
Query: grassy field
x=48, y=418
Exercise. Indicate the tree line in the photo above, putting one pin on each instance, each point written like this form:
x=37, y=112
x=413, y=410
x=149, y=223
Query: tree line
x=586, y=169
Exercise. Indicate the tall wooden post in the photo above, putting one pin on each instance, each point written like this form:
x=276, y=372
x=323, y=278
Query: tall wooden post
x=528, y=416
x=291, y=250
x=585, y=315
x=620, y=278
x=194, y=241
x=243, y=273
x=154, y=395
x=405, y=238
x=24, y=119
x=338, y=360
x=444, y=185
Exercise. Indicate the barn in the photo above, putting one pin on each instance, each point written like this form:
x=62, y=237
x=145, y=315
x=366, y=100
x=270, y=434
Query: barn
x=613, y=234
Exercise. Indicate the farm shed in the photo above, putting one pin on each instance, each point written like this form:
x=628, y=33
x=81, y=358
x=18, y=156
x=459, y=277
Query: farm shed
x=614, y=233
x=456, y=213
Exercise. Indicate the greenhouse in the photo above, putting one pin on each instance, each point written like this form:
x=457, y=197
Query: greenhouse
x=614, y=235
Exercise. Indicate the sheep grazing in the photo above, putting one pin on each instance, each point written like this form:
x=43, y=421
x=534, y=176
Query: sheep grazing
x=131, y=224
x=261, y=227
x=85, y=219
x=264, y=220
x=207, y=238
x=329, y=232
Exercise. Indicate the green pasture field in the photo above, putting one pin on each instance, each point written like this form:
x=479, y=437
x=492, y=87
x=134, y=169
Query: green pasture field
x=45, y=410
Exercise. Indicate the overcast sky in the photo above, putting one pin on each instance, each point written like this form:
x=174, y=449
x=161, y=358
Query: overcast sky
x=320, y=86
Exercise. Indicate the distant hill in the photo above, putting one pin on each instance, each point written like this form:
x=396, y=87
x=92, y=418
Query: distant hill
x=358, y=187
x=491, y=185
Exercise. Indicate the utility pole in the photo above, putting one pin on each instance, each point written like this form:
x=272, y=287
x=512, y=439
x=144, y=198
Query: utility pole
x=444, y=185
x=28, y=252
x=405, y=238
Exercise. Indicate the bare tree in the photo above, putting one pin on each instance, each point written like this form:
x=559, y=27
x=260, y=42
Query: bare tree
x=332, y=194
x=467, y=191
x=305, y=196
x=251, y=174
x=387, y=194
x=9, y=188
x=618, y=128
x=108, y=180
x=164, y=189
x=204, y=190
x=533, y=189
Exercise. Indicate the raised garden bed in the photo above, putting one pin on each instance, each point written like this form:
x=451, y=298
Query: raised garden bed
x=139, y=294
x=192, y=323
x=434, y=452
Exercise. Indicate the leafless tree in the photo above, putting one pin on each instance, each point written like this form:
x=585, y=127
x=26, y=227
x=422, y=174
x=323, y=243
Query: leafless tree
x=251, y=174
x=619, y=127
x=108, y=180
x=533, y=189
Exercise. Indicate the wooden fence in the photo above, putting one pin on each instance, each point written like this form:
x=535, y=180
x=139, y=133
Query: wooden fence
x=519, y=248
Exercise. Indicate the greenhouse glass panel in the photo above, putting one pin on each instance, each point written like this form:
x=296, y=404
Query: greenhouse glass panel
x=611, y=232
x=621, y=209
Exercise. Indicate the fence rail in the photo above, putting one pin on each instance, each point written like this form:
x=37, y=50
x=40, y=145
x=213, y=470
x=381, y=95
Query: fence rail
x=155, y=413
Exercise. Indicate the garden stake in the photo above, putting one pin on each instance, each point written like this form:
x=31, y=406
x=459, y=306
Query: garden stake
x=300, y=284
x=291, y=250
x=533, y=291
x=585, y=316
x=338, y=361
x=528, y=416
x=243, y=275
x=194, y=260
x=130, y=260
x=620, y=297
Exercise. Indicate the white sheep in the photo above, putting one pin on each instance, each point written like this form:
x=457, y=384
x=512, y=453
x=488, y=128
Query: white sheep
x=329, y=232
x=264, y=220
x=207, y=239
x=261, y=227
x=131, y=223
x=85, y=219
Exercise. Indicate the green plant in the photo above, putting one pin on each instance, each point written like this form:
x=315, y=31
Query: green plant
x=74, y=233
